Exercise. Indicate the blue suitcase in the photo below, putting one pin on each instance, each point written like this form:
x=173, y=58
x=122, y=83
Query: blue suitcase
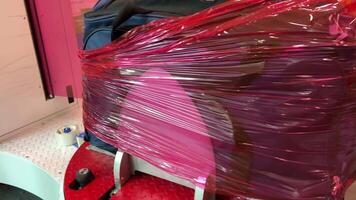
x=97, y=33
x=98, y=24
x=102, y=22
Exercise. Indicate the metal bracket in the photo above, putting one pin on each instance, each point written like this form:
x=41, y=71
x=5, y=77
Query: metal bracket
x=125, y=165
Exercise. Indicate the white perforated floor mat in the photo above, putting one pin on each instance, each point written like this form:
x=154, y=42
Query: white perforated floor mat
x=37, y=142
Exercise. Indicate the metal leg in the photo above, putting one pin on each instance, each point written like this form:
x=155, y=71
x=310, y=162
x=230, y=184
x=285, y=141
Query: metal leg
x=122, y=169
x=202, y=194
x=199, y=193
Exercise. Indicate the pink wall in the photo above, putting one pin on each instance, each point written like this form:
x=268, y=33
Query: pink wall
x=79, y=7
x=60, y=43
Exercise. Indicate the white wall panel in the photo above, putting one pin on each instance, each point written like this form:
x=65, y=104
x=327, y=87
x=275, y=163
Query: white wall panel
x=22, y=99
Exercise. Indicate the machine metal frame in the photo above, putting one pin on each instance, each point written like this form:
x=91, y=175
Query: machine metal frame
x=125, y=165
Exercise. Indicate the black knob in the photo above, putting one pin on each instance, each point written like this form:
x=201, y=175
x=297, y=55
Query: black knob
x=83, y=177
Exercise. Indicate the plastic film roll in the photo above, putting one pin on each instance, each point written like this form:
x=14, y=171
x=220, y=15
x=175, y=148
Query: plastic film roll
x=66, y=135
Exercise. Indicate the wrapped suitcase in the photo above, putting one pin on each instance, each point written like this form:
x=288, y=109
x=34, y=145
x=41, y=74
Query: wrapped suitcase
x=256, y=97
x=109, y=19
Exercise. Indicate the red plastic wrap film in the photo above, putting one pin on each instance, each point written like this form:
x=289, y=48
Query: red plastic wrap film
x=258, y=96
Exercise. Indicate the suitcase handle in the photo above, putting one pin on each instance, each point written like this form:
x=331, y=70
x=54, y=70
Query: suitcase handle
x=128, y=8
x=189, y=22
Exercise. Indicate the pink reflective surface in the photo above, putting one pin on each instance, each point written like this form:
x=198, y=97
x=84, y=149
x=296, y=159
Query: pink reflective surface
x=60, y=45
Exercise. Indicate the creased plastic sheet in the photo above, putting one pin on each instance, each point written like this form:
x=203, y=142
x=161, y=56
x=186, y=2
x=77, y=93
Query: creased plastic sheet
x=251, y=99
